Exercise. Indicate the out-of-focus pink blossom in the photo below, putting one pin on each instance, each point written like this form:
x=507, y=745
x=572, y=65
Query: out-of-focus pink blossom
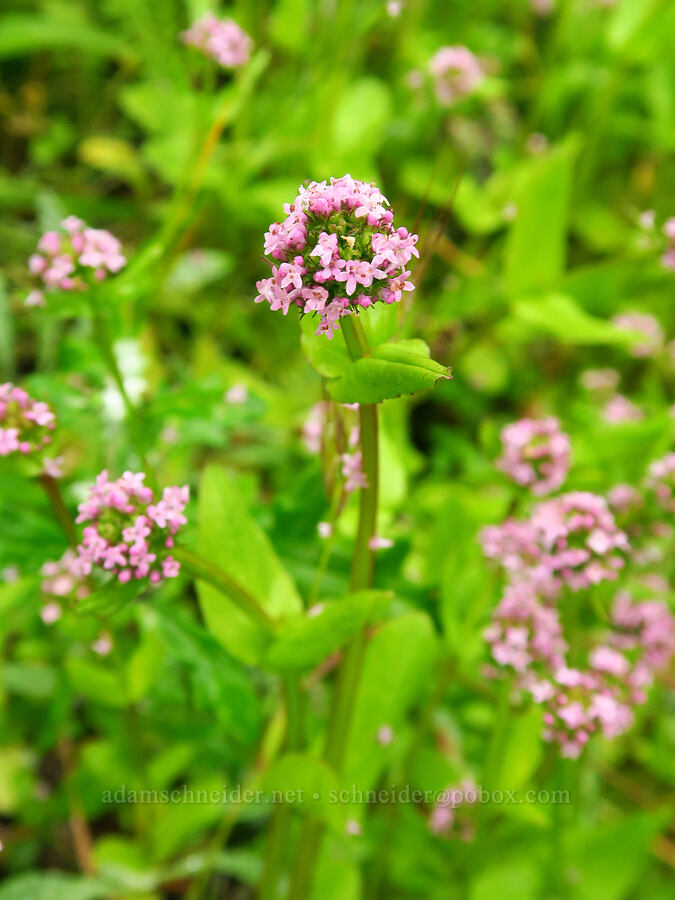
x=648, y=326
x=73, y=258
x=26, y=425
x=456, y=72
x=221, y=39
x=535, y=454
x=620, y=409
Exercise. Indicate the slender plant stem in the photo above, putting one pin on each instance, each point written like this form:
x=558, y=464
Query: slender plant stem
x=204, y=570
x=277, y=841
x=362, y=573
x=61, y=514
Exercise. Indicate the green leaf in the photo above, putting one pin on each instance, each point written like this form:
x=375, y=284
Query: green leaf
x=397, y=667
x=305, y=782
x=560, y=316
x=610, y=858
x=362, y=113
x=390, y=370
x=144, y=665
x=535, y=249
x=26, y=34
x=34, y=680
x=305, y=642
x=523, y=751
x=52, y=886
x=219, y=683
x=331, y=358
x=231, y=539
x=96, y=682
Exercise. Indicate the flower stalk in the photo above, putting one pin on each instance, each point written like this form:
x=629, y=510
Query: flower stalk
x=362, y=574
x=204, y=570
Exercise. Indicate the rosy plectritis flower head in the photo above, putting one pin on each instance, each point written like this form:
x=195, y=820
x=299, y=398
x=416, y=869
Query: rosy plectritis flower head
x=72, y=258
x=337, y=251
x=524, y=633
x=126, y=532
x=646, y=325
x=221, y=39
x=536, y=454
x=25, y=424
x=456, y=72
x=660, y=482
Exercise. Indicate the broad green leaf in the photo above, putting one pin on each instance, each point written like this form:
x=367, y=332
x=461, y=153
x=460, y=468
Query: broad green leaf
x=391, y=370
x=307, y=783
x=397, y=666
x=52, y=885
x=361, y=116
x=609, y=858
x=231, y=539
x=522, y=752
x=331, y=357
x=219, y=683
x=305, y=642
x=512, y=879
x=34, y=680
x=337, y=873
x=560, y=316
x=96, y=682
x=535, y=248
x=144, y=665
x=26, y=34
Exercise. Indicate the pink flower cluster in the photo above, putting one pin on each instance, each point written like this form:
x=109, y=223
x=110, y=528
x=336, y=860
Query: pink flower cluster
x=68, y=259
x=221, y=39
x=456, y=72
x=580, y=540
x=579, y=703
x=646, y=325
x=129, y=535
x=64, y=582
x=571, y=540
x=536, y=454
x=644, y=630
x=668, y=258
x=336, y=251
x=25, y=424
x=524, y=633
x=448, y=818
x=661, y=482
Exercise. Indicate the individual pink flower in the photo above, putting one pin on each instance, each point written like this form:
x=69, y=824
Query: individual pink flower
x=221, y=39
x=73, y=259
x=352, y=469
x=64, y=583
x=26, y=425
x=600, y=380
x=648, y=326
x=456, y=72
x=336, y=252
x=620, y=409
x=127, y=533
x=660, y=482
x=535, y=454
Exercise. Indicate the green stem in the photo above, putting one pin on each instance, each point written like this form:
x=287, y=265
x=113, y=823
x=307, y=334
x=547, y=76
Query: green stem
x=277, y=842
x=362, y=573
x=107, y=352
x=204, y=570
x=61, y=514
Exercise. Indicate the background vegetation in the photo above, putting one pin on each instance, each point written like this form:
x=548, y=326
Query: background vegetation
x=527, y=196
